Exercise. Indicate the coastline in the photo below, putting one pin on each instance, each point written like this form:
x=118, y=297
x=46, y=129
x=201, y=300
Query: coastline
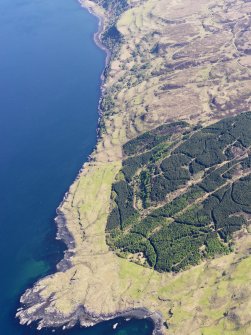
x=81, y=315
x=95, y=285
x=97, y=35
x=97, y=41
x=63, y=233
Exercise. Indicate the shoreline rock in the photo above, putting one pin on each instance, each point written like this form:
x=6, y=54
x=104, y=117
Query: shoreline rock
x=32, y=295
x=94, y=276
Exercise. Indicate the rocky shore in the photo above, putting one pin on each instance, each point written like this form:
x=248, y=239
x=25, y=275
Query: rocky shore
x=151, y=80
x=85, y=318
x=32, y=297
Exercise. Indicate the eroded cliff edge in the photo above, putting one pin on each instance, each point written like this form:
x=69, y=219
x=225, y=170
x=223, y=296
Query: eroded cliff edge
x=178, y=60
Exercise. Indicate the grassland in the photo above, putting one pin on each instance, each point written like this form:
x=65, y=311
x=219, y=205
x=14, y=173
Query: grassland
x=176, y=60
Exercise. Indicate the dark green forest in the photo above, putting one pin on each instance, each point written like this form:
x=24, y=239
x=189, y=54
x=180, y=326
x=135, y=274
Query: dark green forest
x=111, y=37
x=182, y=192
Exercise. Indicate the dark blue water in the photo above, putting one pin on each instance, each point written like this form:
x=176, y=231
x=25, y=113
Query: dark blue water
x=49, y=90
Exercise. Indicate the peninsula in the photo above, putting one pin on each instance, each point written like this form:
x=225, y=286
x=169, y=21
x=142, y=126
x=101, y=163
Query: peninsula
x=157, y=223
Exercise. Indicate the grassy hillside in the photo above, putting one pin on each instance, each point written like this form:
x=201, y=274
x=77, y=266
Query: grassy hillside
x=166, y=175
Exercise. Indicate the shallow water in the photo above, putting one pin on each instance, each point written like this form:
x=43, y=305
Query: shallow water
x=49, y=90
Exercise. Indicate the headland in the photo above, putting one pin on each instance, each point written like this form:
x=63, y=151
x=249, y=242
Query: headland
x=181, y=60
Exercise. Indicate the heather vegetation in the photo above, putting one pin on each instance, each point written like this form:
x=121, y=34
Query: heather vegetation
x=182, y=193
x=174, y=60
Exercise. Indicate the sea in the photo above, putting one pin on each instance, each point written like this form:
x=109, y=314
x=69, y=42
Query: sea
x=50, y=72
